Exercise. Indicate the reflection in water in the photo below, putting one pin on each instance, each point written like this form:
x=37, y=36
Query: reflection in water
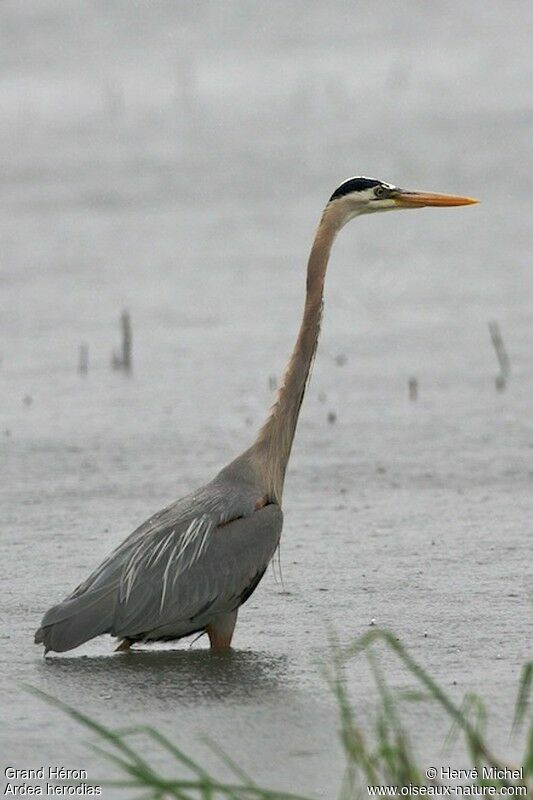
x=160, y=677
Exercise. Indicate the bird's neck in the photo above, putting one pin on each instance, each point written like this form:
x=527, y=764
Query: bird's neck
x=272, y=448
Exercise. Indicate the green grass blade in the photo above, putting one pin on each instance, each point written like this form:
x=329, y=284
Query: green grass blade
x=522, y=700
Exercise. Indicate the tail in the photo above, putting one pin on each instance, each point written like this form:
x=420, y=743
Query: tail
x=76, y=620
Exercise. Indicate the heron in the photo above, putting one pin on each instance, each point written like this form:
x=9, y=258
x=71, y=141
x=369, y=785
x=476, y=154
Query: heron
x=189, y=568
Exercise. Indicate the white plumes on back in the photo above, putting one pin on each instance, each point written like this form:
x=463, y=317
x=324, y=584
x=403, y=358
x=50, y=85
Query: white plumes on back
x=193, y=543
x=181, y=551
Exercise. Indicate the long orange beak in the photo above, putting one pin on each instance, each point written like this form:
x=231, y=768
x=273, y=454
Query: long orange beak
x=419, y=199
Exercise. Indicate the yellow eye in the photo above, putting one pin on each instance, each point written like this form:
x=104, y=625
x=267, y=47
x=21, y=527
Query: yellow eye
x=380, y=191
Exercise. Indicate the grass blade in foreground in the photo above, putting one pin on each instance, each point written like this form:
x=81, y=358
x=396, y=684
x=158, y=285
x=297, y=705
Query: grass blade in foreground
x=141, y=777
x=378, y=754
x=390, y=754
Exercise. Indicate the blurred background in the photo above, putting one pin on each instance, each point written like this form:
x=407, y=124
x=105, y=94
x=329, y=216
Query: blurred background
x=172, y=159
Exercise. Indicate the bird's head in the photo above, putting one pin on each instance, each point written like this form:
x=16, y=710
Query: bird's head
x=365, y=195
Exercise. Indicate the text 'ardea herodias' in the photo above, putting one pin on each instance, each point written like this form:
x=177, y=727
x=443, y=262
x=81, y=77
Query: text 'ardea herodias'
x=190, y=566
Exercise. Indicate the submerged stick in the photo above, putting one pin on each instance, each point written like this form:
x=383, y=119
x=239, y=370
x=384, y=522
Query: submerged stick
x=122, y=360
x=501, y=355
x=126, y=340
x=83, y=359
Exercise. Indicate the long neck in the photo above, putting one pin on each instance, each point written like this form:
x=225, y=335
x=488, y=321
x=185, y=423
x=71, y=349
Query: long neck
x=272, y=447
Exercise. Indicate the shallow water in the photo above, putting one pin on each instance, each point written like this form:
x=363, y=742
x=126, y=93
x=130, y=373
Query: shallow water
x=174, y=162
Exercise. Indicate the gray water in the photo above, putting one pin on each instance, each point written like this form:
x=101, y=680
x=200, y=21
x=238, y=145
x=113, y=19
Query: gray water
x=172, y=159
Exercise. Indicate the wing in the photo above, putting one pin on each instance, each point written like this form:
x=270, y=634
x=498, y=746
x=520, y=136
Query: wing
x=122, y=589
x=215, y=503
x=181, y=578
x=88, y=611
x=107, y=574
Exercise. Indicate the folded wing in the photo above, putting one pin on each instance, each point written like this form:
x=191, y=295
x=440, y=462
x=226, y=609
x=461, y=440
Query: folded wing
x=186, y=578
x=195, y=559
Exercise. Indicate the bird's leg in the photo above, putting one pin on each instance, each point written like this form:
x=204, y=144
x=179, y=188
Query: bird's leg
x=124, y=646
x=220, y=631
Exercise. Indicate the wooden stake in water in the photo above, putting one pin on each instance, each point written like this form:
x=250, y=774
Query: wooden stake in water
x=413, y=389
x=126, y=340
x=83, y=359
x=501, y=355
x=123, y=360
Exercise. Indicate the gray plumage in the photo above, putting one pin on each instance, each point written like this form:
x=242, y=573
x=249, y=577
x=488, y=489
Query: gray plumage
x=192, y=565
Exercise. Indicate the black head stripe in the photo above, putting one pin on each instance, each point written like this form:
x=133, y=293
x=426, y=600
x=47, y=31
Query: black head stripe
x=354, y=185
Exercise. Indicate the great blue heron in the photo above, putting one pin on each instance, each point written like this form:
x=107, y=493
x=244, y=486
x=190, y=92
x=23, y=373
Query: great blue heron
x=190, y=566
